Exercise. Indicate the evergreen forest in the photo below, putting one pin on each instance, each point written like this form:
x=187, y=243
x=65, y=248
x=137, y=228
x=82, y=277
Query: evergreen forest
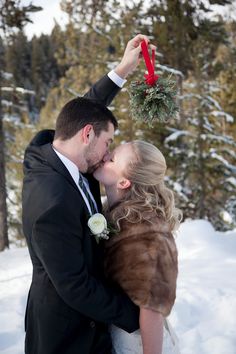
x=196, y=47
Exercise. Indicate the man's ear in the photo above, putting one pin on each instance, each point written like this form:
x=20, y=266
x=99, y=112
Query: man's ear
x=87, y=133
x=124, y=183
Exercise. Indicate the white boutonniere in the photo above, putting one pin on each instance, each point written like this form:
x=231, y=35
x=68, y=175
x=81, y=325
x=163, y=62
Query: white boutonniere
x=98, y=226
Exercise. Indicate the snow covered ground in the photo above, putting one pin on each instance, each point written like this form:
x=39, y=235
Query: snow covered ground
x=204, y=314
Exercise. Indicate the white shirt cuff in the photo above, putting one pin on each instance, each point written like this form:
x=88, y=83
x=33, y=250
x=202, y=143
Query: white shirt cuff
x=116, y=79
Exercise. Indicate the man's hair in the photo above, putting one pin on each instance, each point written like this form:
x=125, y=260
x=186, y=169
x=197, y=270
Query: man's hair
x=79, y=112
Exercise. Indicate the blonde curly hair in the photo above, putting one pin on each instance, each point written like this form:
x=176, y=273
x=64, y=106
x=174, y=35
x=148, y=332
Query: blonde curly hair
x=147, y=193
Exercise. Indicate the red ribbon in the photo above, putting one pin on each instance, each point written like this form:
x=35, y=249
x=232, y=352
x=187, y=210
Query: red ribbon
x=151, y=78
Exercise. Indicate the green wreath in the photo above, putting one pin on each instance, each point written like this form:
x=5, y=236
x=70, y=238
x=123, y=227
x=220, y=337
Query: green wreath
x=154, y=99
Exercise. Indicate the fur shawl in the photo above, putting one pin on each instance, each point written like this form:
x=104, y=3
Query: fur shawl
x=142, y=259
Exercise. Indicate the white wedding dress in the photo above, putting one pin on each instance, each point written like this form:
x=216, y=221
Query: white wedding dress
x=131, y=343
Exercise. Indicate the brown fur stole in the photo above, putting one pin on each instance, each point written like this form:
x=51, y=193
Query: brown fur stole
x=142, y=259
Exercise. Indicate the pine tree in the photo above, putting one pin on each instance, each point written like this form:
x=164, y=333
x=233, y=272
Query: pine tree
x=18, y=58
x=226, y=79
x=3, y=206
x=181, y=39
x=205, y=154
x=176, y=26
x=12, y=15
x=44, y=68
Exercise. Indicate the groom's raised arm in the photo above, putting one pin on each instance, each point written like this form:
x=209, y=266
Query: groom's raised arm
x=105, y=89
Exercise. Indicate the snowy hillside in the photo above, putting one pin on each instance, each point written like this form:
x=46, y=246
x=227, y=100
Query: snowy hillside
x=204, y=312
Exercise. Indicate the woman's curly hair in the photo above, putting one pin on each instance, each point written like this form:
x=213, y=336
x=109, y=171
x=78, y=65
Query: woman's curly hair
x=148, y=192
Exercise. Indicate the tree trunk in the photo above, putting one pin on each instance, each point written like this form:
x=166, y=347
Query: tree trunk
x=180, y=102
x=3, y=205
x=201, y=205
x=202, y=177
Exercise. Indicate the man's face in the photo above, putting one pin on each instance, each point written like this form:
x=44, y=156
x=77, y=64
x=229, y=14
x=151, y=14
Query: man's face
x=99, y=148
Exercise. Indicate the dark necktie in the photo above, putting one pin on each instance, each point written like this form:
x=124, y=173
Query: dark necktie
x=87, y=195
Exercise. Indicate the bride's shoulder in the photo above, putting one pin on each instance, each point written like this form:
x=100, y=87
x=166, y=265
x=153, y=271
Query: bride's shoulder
x=150, y=221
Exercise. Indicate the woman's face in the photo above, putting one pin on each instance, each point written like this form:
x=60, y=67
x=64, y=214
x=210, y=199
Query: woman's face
x=112, y=172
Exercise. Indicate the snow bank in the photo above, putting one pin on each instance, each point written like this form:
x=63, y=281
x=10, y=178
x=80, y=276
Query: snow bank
x=205, y=308
x=204, y=312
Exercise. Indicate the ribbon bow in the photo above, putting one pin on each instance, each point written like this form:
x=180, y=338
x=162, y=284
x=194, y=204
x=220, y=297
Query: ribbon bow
x=151, y=78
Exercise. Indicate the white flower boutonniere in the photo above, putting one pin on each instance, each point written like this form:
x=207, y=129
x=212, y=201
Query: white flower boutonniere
x=98, y=226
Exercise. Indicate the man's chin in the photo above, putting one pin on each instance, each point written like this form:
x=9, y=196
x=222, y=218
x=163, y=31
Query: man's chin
x=92, y=169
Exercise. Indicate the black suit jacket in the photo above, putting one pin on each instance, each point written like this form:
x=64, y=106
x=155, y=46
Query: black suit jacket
x=70, y=305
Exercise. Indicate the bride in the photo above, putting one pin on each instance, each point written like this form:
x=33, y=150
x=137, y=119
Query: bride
x=141, y=254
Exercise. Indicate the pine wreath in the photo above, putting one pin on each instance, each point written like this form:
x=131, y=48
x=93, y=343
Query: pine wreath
x=154, y=99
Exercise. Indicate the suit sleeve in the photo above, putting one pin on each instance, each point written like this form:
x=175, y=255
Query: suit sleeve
x=57, y=240
x=104, y=90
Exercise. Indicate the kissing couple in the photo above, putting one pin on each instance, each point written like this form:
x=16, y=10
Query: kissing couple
x=113, y=296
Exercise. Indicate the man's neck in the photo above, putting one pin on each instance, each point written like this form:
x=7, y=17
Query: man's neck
x=67, y=149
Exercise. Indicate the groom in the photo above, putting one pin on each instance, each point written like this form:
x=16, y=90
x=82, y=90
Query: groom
x=70, y=305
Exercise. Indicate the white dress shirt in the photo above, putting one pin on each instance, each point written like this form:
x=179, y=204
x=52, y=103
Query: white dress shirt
x=116, y=79
x=74, y=172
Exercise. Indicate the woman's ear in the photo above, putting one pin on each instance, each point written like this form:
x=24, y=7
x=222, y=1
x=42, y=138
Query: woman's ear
x=124, y=183
x=88, y=133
